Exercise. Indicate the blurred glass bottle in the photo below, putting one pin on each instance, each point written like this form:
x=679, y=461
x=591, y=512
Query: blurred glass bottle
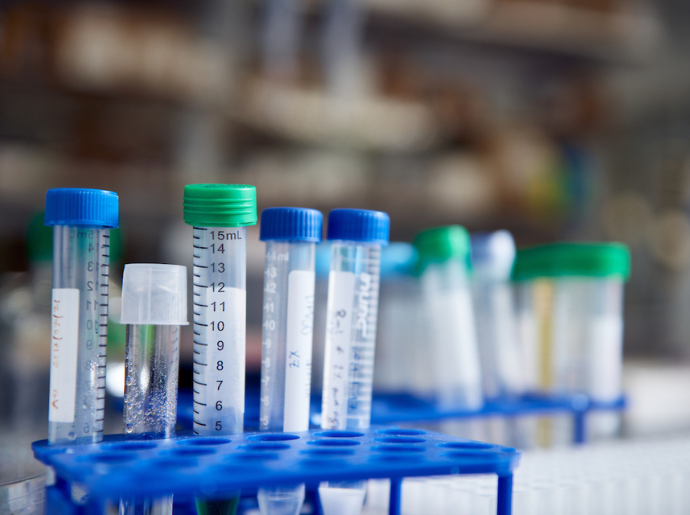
x=24, y=331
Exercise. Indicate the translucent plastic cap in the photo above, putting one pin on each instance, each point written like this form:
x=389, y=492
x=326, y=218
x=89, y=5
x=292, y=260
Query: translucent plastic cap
x=493, y=254
x=154, y=294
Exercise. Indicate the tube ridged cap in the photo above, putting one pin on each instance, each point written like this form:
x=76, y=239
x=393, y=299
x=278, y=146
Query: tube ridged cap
x=360, y=225
x=219, y=205
x=82, y=207
x=291, y=224
x=441, y=244
x=154, y=294
x=573, y=260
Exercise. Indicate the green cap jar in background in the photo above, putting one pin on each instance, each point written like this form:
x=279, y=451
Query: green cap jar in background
x=572, y=260
x=441, y=244
x=220, y=205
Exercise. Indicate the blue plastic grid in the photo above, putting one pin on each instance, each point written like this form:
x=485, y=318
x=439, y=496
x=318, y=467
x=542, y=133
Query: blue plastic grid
x=122, y=467
x=404, y=408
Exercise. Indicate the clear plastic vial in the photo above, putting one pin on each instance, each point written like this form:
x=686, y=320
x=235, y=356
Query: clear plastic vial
x=81, y=221
x=353, y=287
x=493, y=255
x=356, y=236
x=397, y=351
x=571, y=324
x=443, y=262
x=154, y=305
x=291, y=235
x=219, y=214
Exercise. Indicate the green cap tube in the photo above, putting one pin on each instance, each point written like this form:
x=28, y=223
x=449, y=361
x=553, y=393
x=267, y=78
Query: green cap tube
x=220, y=205
x=573, y=260
x=441, y=244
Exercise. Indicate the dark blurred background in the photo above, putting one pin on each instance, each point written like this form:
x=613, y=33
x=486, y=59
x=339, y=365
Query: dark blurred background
x=555, y=119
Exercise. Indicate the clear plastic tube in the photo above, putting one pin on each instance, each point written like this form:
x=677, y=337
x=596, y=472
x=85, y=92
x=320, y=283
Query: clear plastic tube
x=152, y=366
x=219, y=307
x=353, y=291
x=153, y=362
x=572, y=331
x=154, y=304
x=446, y=293
x=219, y=289
x=288, y=321
x=79, y=311
x=287, y=336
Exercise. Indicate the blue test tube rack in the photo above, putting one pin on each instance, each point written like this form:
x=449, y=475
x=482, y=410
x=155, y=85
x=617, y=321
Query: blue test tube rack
x=405, y=408
x=123, y=467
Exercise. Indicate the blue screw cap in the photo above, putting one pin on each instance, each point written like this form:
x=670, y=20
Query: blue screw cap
x=360, y=225
x=291, y=224
x=82, y=207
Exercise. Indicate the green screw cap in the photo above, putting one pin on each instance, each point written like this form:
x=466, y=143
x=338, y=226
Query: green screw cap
x=573, y=260
x=442, y=244
x=220, y=205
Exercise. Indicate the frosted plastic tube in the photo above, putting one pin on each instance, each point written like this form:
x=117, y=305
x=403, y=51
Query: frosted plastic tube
x=397, y=351
x=458, y=375
x=82, y=220
x=571, y=323
x=219, y=214
x=288, y=321
x=493, y=255
x=154, y=305
x=353, y=288
x=220, y=264
x=443, y=254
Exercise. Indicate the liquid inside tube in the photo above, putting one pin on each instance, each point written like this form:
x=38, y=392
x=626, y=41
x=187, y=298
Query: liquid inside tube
x=151, y=380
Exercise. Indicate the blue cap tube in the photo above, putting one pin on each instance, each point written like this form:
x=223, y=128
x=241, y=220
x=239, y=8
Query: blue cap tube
x=357, y=236
x=353, y=290
x=291, y=235
x=81, y=221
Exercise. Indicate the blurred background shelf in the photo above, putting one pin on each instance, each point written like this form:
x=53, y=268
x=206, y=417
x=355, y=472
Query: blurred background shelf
x=554, y=119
